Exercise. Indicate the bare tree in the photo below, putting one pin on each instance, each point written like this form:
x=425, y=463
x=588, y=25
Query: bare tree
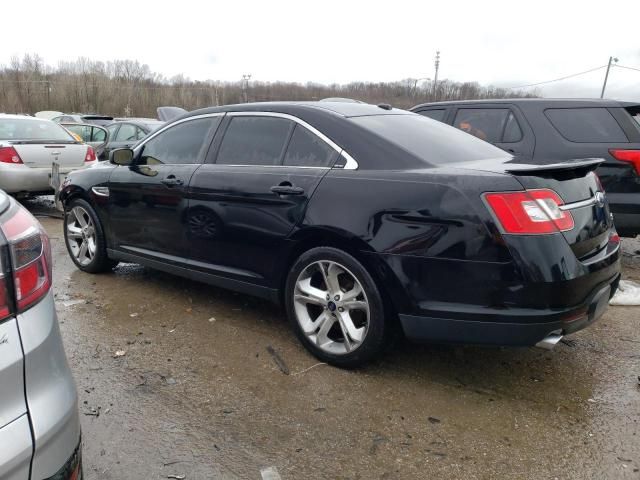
x=127, y=87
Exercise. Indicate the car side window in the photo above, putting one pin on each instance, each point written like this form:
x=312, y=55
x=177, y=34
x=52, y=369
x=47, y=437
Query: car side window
x=254, y=141
x=112, y=131
x=140, y=133
x=98, y=135
x=512, y=130
x=127, y=133
x=484, y=123
x=437, y=114
x=306, y=149
x=586, y=125
x=180, y=144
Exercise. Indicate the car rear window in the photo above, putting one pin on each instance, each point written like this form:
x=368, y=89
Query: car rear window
x=430, y=140
x=29, y=129
x=586, y=125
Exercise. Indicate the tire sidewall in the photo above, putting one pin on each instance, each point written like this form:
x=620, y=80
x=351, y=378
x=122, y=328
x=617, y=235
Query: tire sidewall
x=100, y=261
x=375, y=338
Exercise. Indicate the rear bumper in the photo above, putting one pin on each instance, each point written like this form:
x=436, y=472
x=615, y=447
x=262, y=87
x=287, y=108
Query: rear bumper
x=544, y=289
x=17, y=447
x=626, y=212
x=20, y=178
x=50, y=390
x=513, y=329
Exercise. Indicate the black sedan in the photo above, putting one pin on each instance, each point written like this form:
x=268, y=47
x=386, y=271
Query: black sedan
x=359, y=219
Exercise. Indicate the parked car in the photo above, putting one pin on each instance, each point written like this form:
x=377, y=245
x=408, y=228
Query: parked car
x=548, y=130
x=93, y=135
x=83, y=118
x=48, y=114
x=358, y=218
x=39, y=424
x=29, y=146
x=125, y=134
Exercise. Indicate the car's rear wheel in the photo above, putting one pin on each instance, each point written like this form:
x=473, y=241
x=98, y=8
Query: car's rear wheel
x=84, y=238
x=335, y=307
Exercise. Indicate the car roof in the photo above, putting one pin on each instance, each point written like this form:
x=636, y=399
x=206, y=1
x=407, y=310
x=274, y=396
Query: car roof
x=551, y=102
x=136, y=121
x=23, y=117
x=342, y=109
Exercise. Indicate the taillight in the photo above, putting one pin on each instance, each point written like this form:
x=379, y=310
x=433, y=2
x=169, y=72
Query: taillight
x=530, y=212
x=629, y=156
x=9, y=155
x=30, y=253
x=91, y=155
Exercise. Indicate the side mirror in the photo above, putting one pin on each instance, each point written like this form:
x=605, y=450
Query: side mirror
x=121, y=156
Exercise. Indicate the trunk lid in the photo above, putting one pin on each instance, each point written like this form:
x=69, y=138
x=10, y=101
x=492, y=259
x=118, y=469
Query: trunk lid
x=42, y=155
x=577, y=185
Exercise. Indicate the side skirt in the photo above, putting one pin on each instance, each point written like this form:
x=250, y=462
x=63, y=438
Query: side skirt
x=270, y=294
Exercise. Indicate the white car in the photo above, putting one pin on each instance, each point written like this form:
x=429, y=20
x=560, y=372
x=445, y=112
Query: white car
x=30, y=146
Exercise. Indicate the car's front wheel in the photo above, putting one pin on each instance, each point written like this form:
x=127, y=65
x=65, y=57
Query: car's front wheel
x=84, y=238
x=335, y=307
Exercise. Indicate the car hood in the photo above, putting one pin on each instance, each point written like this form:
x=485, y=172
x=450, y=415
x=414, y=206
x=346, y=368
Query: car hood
x=169, y=113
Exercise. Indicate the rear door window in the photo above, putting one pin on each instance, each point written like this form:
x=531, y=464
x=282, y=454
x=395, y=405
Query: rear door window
x=485, y=123
x=255, y=141
x=437, y=114
x=586, y=125
x=306, y=149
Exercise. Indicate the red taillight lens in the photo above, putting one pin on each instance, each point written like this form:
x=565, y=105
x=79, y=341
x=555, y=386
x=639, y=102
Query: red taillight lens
x=629, y=156
x=531, y=212
x=9, y=155
x=31, y=257
x=91, y=155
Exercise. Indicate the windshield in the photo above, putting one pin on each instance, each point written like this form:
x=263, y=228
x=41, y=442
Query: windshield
x=432, y=141
x=32, y=129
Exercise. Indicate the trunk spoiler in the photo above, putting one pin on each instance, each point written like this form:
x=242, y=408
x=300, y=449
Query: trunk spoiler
x=579, y=167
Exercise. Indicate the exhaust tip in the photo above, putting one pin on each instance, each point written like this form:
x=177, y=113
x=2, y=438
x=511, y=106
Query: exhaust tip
x=550, y=341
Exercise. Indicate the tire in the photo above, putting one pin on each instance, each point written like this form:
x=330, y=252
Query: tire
x=93, y=259
x=358, y=330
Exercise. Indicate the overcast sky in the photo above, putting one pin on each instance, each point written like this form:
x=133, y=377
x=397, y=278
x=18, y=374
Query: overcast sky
x=492, y=42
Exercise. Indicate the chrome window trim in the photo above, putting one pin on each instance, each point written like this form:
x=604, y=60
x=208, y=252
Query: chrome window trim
x=350, y=163
x=267, y=166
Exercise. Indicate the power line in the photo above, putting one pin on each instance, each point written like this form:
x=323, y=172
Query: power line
x=558, y=79
x=628, y=68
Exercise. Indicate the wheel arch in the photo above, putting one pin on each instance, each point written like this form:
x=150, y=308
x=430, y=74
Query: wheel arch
x=305, y=239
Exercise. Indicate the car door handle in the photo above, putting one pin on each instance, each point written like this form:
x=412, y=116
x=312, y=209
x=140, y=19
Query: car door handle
x=172, y=181
x=285, y=188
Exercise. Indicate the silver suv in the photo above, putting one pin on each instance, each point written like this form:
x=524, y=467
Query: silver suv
x=39, y=423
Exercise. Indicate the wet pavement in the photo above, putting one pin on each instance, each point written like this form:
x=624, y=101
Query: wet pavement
x=176, y=378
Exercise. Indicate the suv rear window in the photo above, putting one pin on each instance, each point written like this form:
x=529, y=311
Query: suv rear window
x=430, y=140
x=586, y=125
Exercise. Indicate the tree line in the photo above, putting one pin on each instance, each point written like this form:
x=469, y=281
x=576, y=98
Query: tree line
x=129, y=88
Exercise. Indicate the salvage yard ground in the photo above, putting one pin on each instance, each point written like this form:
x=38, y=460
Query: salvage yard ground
x=180, y=378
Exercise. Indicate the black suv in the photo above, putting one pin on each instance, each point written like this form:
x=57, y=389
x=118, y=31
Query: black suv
x=551, y=130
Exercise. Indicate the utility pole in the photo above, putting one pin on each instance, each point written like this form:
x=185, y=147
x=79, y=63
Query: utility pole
x=47, y=86
x=606, y=75
x=435, y=77
x=245, y=86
